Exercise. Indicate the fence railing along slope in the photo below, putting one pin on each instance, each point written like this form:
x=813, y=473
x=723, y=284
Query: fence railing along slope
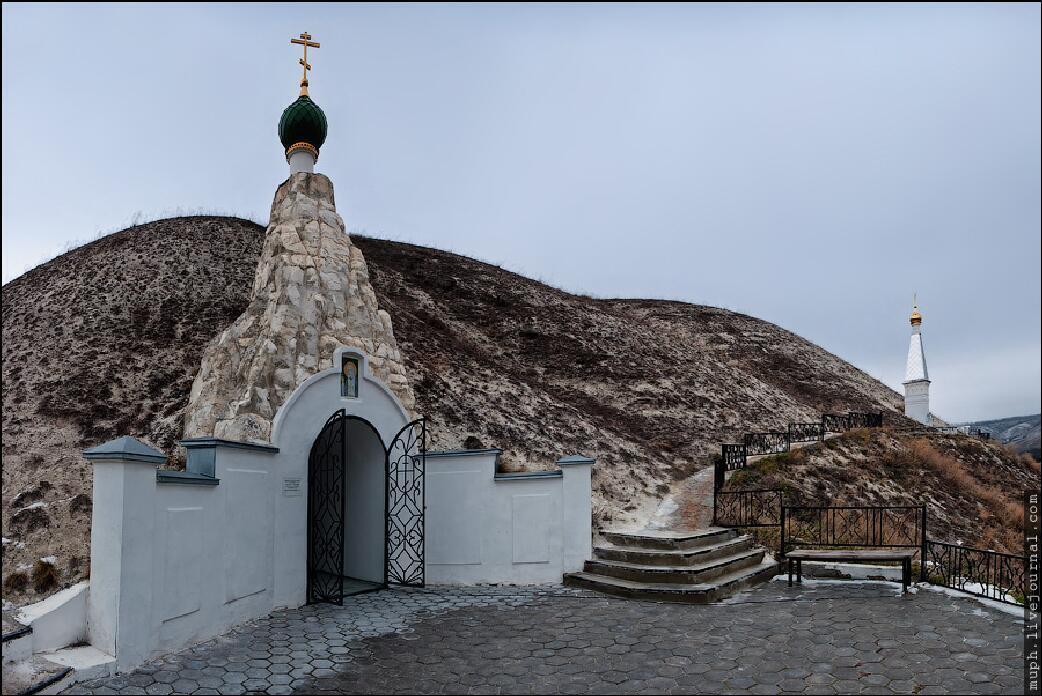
x=979, y=572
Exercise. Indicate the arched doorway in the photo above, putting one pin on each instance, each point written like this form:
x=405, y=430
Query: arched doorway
x=365, y=508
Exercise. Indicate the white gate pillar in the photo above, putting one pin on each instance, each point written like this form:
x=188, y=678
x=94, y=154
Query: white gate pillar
x=121, y=542
x=576, y=499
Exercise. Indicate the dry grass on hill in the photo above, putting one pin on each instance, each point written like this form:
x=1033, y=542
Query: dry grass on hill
x=974, y=488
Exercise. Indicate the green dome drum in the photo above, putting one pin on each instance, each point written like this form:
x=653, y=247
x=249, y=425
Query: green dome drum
x=302, y=124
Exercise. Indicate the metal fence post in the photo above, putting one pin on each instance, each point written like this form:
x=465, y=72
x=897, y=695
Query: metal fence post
x=922, y=548
x=781, y=549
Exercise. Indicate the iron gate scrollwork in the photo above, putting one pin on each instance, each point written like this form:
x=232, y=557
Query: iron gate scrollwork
x=406, y=464
x=327, y=491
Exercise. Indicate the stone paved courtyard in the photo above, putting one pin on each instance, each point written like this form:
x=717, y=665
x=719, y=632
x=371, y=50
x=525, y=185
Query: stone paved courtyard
x=821, y=638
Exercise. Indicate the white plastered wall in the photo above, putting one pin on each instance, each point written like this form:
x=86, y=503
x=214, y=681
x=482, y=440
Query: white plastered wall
x=483, y=528
x=175, y=564
x=365, y=529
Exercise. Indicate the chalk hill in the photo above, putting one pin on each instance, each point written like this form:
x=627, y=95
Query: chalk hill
x=106, y=339
x=974, y=488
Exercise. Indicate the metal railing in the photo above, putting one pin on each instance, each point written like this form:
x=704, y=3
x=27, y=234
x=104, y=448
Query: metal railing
x=735, y=455
x=834, y=423
x=806, y=432
x=991, y=574
x=946, y=430
x=856, y=419
x=902, y=526
x=983, y=573
x=748, y=508
x=772, y=442
x=979, y=572
x=840, y=423
x=732, y=457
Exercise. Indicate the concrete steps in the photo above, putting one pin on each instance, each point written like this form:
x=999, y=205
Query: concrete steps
x=671, y=540
x=53, y=672
x=673, y=557
x=86, y=661
x=701, y=572
x=44, y=646
x=17, y=639
x=696, y=566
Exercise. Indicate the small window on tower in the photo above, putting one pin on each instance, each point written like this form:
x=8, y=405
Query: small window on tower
x=349, y=377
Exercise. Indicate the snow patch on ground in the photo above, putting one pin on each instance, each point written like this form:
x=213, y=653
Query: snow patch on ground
x=1012, y=610
x=829, y=581
x=664, y=513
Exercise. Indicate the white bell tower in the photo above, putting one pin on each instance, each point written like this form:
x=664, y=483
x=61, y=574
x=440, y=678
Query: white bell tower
x=917, y=379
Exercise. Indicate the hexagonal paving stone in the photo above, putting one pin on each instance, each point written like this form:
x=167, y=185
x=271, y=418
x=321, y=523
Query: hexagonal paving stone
x=846, y=638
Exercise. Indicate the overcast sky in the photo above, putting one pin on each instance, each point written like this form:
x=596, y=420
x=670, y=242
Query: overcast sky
x=812, y=165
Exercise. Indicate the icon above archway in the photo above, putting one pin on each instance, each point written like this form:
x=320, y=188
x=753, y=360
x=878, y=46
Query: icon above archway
x=349, y=376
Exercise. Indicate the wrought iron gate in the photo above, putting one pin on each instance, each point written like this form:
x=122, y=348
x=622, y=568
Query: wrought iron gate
x=404, y=465
x=406, y=462
x=327, y=493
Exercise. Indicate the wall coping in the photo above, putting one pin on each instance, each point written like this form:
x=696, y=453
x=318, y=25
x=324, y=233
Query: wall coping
x=125, y=449
x=203, y=442
x=185, y=477
x=522, y=475
x=575, y=459
x=465, y=453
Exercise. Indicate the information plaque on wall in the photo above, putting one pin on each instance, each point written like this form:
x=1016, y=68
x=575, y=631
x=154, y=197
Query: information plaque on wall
x=291, y=487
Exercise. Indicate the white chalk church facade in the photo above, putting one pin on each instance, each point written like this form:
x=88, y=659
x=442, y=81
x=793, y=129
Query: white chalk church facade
x=308, y=477
x=917, y=377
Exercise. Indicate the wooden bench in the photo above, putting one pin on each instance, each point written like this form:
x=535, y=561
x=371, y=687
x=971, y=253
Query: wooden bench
x=797, y=556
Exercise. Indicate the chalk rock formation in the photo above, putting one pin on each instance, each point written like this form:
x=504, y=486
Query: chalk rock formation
x=311, y=293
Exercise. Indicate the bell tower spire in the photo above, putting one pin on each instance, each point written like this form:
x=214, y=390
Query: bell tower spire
x=917, y=377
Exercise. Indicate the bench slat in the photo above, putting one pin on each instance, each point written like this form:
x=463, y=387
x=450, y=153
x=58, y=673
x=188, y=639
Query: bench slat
x=850, y=555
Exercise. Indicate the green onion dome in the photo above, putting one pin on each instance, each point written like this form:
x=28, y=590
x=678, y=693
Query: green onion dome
x=302, y=126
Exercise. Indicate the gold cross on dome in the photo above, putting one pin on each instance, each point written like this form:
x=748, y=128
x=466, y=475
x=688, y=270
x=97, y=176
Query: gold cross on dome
x=306, y=42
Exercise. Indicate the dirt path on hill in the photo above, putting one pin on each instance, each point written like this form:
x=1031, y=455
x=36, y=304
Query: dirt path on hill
x=688, y=506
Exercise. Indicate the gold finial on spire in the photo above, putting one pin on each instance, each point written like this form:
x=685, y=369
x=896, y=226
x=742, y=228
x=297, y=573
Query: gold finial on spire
x=916, y=317
x=306, y=42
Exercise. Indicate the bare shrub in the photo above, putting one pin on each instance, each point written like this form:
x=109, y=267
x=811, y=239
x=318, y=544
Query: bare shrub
x=1030, y=463
x=16, y=582
x=45, y=577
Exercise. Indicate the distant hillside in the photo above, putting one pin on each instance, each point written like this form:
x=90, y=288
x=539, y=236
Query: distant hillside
x=105, y=341
x=1022, y=433
x=974, y=488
